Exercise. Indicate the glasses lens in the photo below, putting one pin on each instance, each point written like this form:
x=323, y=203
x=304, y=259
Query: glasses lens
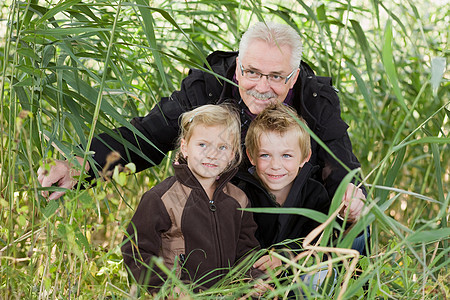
x=252, y=75
x=275, y=78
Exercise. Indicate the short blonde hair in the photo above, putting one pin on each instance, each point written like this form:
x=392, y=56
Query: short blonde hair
x=277, y=118
x=214, y=115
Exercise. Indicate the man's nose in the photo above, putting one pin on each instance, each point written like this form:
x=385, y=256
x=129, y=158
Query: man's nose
x=263, y=84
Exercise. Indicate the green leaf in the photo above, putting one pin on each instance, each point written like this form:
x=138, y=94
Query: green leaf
x=438, y=65
x=119, y=177
x=66, y=31
x=425, y=140
x=310, y=213
x=389, y=65
x=58, y=8
x=148, y=22
x=82, y=241
x=50, y=209
x=362, y=42
x=392, y=174
x=429, y=236
x=366, y=93
x=131, y=167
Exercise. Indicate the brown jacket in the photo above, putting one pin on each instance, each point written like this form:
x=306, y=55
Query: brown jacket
x=176, y=220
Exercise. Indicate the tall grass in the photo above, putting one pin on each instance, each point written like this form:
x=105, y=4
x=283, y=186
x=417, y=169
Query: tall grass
x=72, y=69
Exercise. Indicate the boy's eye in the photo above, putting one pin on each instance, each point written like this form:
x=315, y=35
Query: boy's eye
x=264, y=155
x=202, y=145
x=287, y=156
x=223, y=147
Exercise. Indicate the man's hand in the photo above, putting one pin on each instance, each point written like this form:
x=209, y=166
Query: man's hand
x=354, y=202
x=260, y=288
x=63, y=173
x=267, y=262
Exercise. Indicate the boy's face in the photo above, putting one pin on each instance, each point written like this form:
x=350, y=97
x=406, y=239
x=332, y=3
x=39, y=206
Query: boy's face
x=208, y=152
x=278, y=160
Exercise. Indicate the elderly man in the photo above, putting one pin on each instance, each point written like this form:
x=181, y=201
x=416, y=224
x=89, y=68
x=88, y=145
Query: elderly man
x=267, y=69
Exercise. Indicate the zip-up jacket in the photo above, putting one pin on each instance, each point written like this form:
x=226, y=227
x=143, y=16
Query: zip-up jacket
x=177, y=221
x=274, y=228
x=313, y=97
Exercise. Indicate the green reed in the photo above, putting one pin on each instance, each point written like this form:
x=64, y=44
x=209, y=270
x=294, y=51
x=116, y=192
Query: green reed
x=73, y=69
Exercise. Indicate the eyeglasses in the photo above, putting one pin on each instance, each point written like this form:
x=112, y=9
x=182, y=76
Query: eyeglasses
x=272, y=78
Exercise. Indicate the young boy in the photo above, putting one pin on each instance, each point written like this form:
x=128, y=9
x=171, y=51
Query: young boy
x=193, y=219
x=279, y=149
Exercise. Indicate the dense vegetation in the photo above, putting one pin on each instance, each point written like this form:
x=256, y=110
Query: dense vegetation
x=71, y=69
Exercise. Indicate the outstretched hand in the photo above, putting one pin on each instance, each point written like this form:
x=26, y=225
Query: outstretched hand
x=61, y=173
x=354, y=202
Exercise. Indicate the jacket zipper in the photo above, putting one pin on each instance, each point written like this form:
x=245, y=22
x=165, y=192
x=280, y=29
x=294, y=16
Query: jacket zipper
x=213, y=208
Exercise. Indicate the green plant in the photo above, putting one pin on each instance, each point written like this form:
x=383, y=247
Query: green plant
x=73, y=69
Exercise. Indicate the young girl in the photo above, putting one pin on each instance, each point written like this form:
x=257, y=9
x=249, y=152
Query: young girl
x=193, y=218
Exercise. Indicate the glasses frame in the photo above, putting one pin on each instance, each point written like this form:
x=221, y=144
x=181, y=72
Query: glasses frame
x=286, y=78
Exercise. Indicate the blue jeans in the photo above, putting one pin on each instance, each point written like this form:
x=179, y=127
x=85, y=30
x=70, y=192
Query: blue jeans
x=359, y=243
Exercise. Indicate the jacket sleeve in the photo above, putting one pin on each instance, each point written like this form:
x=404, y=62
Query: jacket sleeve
x=143, y=240
x=160, y=127
x=247, y=242
x=332, y=130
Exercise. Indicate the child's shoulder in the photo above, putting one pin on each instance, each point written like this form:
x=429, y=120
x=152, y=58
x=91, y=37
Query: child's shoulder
x=236, y=193
x=162, y=187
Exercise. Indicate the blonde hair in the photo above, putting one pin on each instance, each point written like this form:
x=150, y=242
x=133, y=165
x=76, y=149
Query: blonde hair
x=213, y=115
x=277, y=118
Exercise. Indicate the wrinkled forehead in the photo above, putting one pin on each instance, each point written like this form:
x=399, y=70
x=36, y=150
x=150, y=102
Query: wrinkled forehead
x=267, y=57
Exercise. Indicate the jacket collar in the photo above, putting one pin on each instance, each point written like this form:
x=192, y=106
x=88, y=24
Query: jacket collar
x=185, y=176
x=302, y=177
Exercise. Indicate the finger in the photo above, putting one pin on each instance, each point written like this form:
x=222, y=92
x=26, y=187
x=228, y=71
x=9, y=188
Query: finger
x=40, y=178
x=359, y=207
x=261, y=261
x=66, y=182
x=40, y=171
x=55, y=195
x=356, y=209
x=44, y=194
x=47, y=181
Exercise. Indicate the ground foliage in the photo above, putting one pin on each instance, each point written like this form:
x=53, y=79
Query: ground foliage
x=71, y=69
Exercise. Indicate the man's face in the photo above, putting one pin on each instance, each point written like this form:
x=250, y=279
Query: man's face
x=265, y=59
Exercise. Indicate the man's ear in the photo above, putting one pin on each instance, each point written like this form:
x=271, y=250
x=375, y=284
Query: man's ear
x=249, y=157
x=238, y=69
x=306, y=159
x=294, y=78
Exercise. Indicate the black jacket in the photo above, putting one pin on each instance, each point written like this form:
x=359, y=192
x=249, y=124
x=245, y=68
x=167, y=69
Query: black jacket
x=274, y=228
x=314, y=98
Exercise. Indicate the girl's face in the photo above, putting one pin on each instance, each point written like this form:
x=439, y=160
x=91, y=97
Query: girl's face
x=208, y=152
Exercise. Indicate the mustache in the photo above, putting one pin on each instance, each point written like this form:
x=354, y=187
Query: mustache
x=263, y=96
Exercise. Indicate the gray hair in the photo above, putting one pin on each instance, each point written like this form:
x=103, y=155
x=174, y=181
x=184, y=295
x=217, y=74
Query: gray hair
x=273, y=34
